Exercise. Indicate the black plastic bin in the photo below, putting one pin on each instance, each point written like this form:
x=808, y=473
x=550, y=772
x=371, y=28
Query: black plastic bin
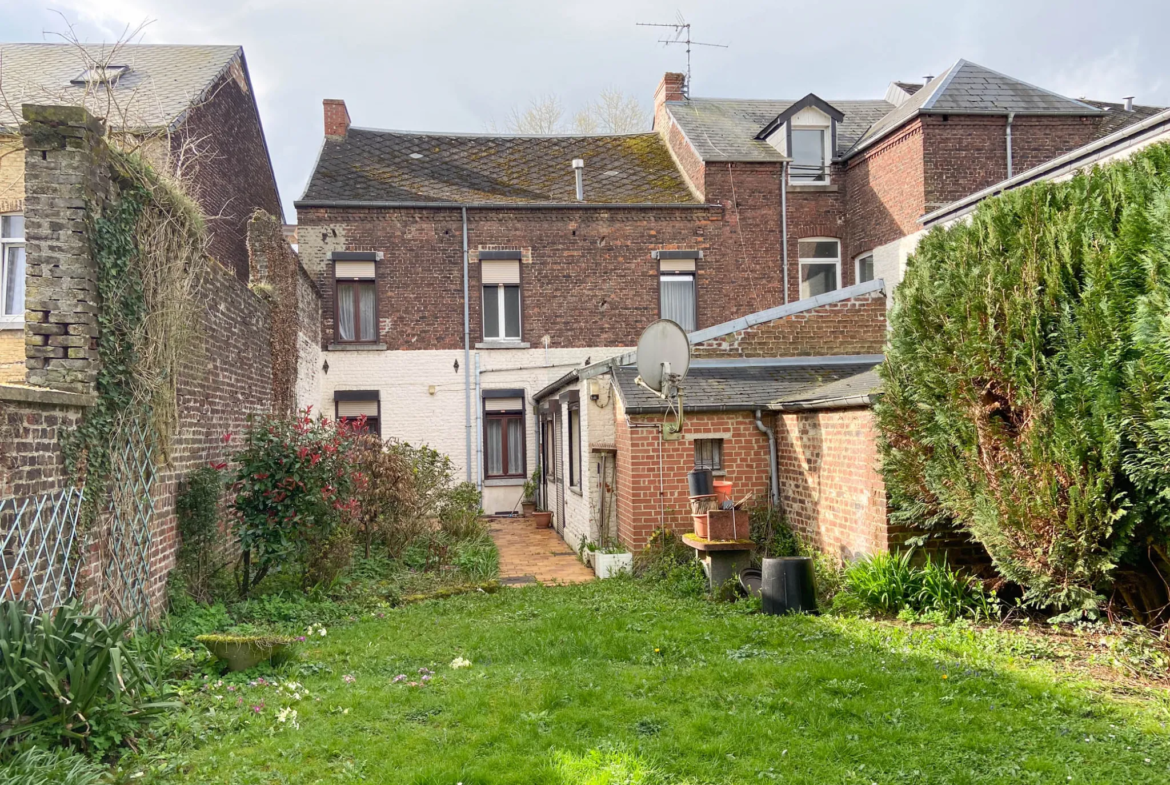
x=787, y=585
x=701, y=482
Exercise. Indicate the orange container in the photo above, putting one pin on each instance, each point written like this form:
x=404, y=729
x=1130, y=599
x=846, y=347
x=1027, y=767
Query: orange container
x=722, y=490
x=701, y=526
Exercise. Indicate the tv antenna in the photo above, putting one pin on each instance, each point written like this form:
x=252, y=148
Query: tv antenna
x=682, y=36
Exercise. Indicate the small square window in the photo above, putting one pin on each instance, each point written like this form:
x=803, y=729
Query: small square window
x=709, y=454
x=865, y=268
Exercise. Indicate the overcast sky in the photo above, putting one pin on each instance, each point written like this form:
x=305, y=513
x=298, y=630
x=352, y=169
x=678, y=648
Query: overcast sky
x=454, y=65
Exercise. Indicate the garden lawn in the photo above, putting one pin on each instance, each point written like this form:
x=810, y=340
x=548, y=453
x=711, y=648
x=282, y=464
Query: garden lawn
x=617, y=682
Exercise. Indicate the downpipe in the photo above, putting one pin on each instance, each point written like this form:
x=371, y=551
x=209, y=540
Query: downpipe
x=466, y=354
x=1011, y=116
x=771, y=434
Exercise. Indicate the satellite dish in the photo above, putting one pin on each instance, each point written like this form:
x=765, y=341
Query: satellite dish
x=663, y=343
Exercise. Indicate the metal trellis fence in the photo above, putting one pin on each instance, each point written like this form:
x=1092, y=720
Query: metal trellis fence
x=39, y=548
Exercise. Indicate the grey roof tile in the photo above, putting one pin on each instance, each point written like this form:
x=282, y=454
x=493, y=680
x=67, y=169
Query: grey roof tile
x=724, y=129
x=393, y=166
x=967, y=87
x=1117, y=118
x=162, y=83
x=744, y=388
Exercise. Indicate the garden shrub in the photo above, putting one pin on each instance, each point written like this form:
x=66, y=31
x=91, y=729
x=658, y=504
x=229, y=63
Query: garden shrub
x=39, y=766
x=1027, y=383
x=296, y=498
x=771, y=533
x=668, y=561
x=197, y=513
x=892, y=583
x=65, y=676
x=387, y=496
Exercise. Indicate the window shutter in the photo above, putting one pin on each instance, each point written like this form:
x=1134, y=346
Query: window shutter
x=353, y=269
x=357, y=408
x=500, y=272
x=677, y=265
x=503, y=404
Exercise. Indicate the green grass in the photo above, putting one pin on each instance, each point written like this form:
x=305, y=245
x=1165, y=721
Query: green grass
x=619, y=682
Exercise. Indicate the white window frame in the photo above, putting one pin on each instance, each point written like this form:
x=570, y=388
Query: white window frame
x=10, y=321
x=826, y=155
x=802, y=261
x=857, y=266
x=503, y=336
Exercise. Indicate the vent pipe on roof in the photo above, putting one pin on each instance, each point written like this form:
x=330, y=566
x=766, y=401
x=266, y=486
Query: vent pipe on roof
x=579, y=171
x=1128, y=102
x=927, y=79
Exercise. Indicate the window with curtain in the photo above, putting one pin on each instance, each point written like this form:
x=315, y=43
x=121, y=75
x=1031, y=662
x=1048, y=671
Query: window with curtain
x=820, y=259
x=501, y=312
x=676, y=299
x=575, y=446
x=357, y=306
x=709, y=454
x=12, y=268
x=503, y=444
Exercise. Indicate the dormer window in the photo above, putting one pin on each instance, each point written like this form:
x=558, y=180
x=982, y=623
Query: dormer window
x=99, y=75
x=809, y=155
x=805, y=132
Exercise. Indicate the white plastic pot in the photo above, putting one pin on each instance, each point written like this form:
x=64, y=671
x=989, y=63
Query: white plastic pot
x=606, y=565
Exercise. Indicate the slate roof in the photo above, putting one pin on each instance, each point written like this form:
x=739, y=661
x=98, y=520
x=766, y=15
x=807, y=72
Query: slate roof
x=909, y=87
x=969, y=88
x=1117, y=118
x=371, y=165
x=163, y=81
x=750, y=387
x=724, y=129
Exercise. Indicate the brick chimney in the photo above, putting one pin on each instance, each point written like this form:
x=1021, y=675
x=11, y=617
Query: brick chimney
x=669, y=89
x=336, y=118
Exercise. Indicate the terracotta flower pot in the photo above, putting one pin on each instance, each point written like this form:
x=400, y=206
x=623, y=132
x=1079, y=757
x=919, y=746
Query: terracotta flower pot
x=543, y=519
x=701, y=526
x=528, y=508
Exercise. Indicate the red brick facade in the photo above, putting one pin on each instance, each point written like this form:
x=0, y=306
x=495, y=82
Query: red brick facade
x=853, y=326
x=831, y=491
x=647, y=500
x=886, y=190
x=231, y=176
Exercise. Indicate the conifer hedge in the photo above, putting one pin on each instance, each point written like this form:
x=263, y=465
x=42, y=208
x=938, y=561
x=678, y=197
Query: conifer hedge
x=1027, y=384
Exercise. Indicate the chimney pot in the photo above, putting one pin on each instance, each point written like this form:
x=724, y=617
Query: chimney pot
x=1128, y=103
x=336, y=118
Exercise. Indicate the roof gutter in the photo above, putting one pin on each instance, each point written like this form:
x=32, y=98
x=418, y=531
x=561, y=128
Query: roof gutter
x=846, y=402
x=511, y=206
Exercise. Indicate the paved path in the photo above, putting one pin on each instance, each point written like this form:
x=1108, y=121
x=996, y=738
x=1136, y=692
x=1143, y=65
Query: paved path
x=529, y=554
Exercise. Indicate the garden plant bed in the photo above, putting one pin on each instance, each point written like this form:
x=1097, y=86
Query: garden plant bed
x=620, y=676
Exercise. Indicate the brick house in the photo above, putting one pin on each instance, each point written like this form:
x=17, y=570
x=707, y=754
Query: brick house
x=784, y=426
x=191, y=110
x=464, y=273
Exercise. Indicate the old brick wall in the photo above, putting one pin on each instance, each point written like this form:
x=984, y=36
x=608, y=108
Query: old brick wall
x=886, y=194
x=646, y=499
x=964, y=154
x=32, y=423
x=831, y=491
x=230, y=175
x=853, y=326
x=587, y=276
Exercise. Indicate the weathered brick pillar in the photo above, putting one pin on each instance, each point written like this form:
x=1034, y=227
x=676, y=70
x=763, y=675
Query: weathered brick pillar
x=65, y=175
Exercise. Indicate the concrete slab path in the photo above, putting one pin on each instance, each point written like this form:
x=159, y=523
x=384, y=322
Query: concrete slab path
x=530, y=555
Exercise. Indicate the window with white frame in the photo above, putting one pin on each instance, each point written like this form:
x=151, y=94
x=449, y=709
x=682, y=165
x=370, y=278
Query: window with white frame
x=677, y=292
x=575, y=445
x=12, y=268
x=863, y=268
x=501, y=299
x=810, y=156
x=820, y=262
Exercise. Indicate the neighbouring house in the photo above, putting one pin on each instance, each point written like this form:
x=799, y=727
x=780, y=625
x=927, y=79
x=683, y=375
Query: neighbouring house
x=462, y=273
x=190, y=110
x=252, y=315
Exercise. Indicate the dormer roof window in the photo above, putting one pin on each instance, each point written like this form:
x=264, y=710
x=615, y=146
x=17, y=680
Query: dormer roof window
x=805, y=132
x=99, y=75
